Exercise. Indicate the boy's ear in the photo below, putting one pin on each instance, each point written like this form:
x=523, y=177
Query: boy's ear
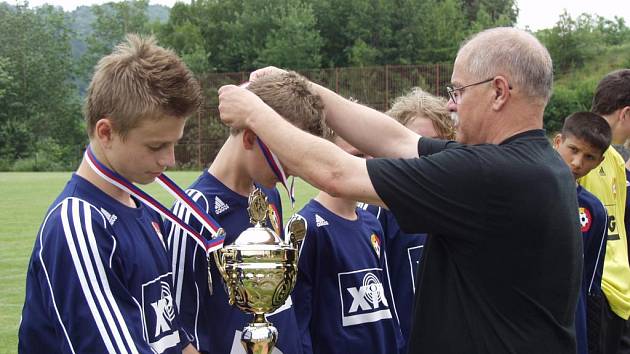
x=104, y=131
x=249, y=139
x=557, y=140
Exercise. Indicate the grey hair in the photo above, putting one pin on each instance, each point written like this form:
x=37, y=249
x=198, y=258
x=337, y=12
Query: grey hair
x=511, y=52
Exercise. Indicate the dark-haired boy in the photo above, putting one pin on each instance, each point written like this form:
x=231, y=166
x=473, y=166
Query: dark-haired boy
x=584, y=138
x=214, y=326
x=611, y=100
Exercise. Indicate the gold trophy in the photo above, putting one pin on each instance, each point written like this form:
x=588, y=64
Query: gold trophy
x=259, y=271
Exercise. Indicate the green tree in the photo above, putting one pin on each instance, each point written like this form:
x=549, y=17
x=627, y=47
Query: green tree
x=40, y=101
x=433, y=31
x=294, y=43
x=113, y=21
x=499, y=12
x=571, y=42
x=236, y=35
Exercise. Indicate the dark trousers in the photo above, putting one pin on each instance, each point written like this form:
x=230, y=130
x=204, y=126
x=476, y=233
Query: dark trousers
x=607, y=332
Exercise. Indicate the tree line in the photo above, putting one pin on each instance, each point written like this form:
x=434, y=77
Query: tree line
x=45, y=63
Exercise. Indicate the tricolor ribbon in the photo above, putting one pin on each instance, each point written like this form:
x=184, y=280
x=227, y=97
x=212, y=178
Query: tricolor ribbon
x=276, y=167
x=218, y=235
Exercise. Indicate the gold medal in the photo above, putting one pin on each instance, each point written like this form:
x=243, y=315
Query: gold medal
x=257, y=208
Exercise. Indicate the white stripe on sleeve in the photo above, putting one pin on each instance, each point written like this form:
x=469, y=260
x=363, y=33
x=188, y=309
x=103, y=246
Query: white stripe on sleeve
x=82, y=279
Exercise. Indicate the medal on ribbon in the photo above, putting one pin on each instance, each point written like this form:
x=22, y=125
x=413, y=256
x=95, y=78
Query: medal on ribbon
x=218, y=235
x=276, y=167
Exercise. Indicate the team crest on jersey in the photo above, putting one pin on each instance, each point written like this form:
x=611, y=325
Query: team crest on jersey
x=585, y=219
x=158, y=310
x=376, y=244
x=363, y=297
x=601, y=172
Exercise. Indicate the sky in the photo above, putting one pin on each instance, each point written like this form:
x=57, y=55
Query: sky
x=537, y=14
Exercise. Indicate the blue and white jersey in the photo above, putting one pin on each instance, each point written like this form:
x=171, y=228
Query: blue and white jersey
x=98, y=279
x=213, y=325
x=342, y=297
x=404, y=255
x=593, y=220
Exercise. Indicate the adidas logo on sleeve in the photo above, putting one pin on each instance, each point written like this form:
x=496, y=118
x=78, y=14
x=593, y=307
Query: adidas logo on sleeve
x=320, y=221
x=219, y=206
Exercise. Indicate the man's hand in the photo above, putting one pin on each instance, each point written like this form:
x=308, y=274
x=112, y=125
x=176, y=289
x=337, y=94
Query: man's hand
x=238, y=105
x=264, y=71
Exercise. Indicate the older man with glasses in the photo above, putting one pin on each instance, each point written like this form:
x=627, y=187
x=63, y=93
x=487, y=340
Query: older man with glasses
x=504, y=255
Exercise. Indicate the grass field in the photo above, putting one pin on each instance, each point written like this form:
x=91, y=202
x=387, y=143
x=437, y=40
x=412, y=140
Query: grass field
x=25, y=197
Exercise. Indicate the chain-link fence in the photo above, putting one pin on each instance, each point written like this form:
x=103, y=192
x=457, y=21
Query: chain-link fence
x=372, y=86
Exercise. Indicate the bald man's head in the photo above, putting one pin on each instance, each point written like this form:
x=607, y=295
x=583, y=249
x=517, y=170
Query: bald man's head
x=512, y=53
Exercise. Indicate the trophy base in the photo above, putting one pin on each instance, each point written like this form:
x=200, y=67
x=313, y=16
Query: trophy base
x=259, y=338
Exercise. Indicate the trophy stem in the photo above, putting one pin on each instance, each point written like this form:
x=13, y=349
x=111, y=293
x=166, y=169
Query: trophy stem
x=260, y=336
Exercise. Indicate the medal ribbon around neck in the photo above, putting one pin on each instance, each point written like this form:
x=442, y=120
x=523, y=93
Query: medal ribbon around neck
x=276, y=167
x=218, y=235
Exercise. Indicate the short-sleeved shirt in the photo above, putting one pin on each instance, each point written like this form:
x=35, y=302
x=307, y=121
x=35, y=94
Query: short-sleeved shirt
x=503, y=262
x=212, y=324
x=342, y=297
x=99, y=280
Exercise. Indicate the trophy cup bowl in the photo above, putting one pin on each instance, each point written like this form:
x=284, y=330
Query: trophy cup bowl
x=259, y=271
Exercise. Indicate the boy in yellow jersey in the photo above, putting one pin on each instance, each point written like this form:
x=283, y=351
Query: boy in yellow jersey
x=608, y=183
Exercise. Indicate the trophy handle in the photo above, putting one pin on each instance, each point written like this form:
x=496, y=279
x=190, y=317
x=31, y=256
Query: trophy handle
x=219, y=261
x=296, y=228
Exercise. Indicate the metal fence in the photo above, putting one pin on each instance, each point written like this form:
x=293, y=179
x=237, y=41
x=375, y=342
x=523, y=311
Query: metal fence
x=372, y=86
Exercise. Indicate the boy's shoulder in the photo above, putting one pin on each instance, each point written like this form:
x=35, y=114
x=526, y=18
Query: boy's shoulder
x=209, y=189
x=588, y=199
x=591, y=210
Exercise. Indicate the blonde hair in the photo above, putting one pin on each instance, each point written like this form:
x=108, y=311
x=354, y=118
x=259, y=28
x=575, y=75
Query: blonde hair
x=140, y=80
x=420, y=104
x=291, y=96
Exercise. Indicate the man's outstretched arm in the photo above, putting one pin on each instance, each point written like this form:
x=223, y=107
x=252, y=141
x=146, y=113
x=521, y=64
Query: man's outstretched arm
x=372, y=132
x=318, y=161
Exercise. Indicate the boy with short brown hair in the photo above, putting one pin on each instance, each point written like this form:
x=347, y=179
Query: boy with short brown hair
x=584, y=138
x=222, y=190
x=99, y=279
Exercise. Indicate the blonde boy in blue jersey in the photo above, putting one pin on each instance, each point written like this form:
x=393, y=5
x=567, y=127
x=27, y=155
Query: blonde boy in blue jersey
x=99, y=279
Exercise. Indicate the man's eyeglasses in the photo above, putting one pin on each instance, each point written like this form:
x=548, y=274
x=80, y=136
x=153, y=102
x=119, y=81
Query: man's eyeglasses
x=454, y=93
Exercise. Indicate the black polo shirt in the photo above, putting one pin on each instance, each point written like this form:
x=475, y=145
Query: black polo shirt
x=503, y=262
